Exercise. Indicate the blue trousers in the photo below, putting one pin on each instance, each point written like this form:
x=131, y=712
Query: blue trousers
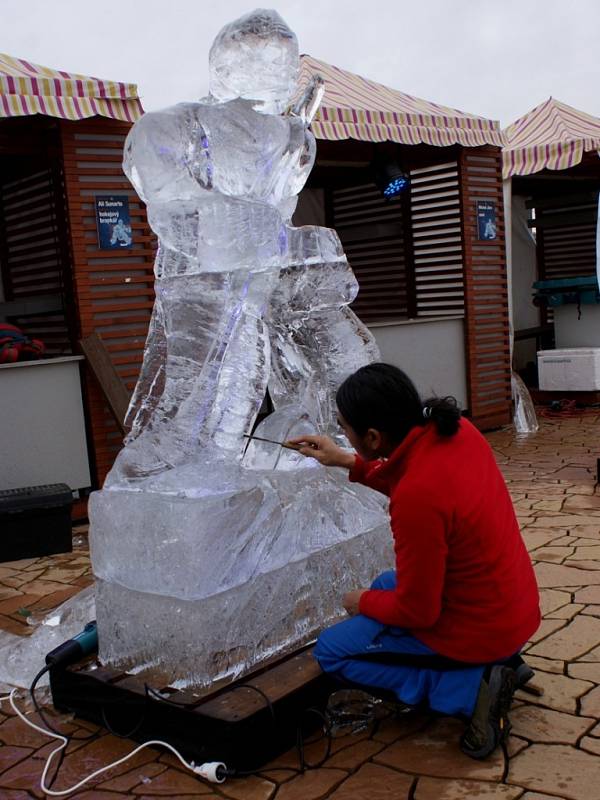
x=449, y=692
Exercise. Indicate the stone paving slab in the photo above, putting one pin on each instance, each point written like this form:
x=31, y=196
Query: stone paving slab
x=554, y=748
x=556, y=768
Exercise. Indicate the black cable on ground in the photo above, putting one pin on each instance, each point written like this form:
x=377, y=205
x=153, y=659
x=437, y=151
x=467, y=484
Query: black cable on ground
x=300, y=742
x=36, y=705
x=128, y=734
x=44, y=719
x=264, y=696
x=326, y=731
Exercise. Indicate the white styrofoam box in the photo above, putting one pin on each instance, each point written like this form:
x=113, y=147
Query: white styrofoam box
x=573, y=369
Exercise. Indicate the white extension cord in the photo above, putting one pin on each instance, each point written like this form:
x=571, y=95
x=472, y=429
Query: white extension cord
x=212, y=771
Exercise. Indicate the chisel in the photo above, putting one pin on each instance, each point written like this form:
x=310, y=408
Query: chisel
x=287, y=445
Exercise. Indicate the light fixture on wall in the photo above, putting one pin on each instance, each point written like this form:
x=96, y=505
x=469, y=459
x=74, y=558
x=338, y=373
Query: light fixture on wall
x=390, y=178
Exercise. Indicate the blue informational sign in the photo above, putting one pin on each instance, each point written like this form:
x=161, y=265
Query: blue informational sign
x=113, y=222
x=486, y=221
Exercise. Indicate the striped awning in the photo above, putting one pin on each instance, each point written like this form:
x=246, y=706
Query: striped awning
x=27, y=88
x=356, y=108
x=551, y=136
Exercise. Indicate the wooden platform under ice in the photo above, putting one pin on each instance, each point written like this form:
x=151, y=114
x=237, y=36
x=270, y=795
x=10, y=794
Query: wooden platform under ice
x=244, y=724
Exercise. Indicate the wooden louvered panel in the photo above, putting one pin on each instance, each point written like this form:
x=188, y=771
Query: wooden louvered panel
x=31, y=253
x=486, y=297
x=371, y=231
x=436, y=237
x=114, y=289
x=34, y=253
x=568, y=250
x=566, y=238
x=566, y=235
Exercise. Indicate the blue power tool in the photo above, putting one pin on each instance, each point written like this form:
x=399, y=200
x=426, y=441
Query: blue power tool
x=73, y=650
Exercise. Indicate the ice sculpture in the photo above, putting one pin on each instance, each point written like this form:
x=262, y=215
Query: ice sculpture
x=524, y=418
x=211, y=555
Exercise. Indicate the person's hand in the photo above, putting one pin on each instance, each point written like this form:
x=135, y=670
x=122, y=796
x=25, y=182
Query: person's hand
x=351, y=601
x=324, y=450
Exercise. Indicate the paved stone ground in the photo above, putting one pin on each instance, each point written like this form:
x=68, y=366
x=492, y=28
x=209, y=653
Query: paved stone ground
x=555, y=745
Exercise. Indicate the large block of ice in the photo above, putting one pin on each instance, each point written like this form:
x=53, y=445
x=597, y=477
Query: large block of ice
x=212, y=555
x=210, y=586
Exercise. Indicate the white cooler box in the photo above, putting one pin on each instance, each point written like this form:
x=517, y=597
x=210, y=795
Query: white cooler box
x=574, y=369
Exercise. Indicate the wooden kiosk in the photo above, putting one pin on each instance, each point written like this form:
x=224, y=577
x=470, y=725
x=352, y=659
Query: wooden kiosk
x=552, y=180
x=61, y=143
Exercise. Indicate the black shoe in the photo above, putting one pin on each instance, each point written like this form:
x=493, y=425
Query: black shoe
x=489, y=724
x=523, y=671
x=523, y=674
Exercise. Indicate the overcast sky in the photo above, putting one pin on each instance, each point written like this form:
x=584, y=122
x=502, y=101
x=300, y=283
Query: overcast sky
x=497, y=59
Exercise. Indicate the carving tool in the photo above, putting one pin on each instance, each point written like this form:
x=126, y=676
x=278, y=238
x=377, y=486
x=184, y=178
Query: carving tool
x=287, y=445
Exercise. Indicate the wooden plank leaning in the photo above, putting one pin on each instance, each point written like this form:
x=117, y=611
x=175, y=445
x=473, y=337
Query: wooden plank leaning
x=99, y=360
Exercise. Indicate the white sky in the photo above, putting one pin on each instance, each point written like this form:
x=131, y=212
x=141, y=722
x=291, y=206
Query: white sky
x=497, y=59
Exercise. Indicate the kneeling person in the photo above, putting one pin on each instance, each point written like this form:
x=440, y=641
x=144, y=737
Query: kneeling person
x=446, y=626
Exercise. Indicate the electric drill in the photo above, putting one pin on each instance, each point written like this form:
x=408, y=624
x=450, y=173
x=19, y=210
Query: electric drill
x=75, y=649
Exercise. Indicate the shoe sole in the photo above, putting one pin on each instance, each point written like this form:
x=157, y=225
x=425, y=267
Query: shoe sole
x=502, y=685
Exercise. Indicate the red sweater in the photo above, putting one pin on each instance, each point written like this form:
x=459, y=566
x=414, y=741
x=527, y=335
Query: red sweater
x=465, y=583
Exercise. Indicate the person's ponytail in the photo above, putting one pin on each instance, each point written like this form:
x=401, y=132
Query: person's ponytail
x=444, y=413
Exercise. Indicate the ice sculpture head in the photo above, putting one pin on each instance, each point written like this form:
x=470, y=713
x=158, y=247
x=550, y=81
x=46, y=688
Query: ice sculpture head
x=256, y=58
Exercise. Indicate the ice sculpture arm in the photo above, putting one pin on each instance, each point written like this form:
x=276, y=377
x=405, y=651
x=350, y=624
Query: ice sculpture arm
x=307, y=105
x=301, y=149
x=167, y=156
x=365, y=472
x=419, y=526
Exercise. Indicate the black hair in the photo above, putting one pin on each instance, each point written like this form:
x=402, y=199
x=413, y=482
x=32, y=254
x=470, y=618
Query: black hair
x=383, y=397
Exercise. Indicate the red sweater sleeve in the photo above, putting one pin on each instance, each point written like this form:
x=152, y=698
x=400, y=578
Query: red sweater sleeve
x=419, y=529
x=365, y=472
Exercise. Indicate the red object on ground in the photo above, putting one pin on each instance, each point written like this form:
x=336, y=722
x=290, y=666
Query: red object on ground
x=465, y=583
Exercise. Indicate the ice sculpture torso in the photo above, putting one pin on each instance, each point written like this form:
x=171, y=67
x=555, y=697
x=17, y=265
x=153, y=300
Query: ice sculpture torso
x=218, y=180
x=242, y=550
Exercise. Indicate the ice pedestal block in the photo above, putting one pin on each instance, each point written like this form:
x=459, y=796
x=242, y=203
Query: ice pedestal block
x=210, y=586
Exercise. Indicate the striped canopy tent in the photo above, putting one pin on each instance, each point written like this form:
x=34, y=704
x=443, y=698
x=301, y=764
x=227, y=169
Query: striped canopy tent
x=551, y=136
x=356, y=108
x=27, y=89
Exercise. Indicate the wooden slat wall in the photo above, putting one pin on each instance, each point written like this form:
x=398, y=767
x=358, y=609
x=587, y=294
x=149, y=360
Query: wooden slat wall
x=372, y=233
x=113, y=289
x=33, y=252
x=437, y=243
x=486, y=297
